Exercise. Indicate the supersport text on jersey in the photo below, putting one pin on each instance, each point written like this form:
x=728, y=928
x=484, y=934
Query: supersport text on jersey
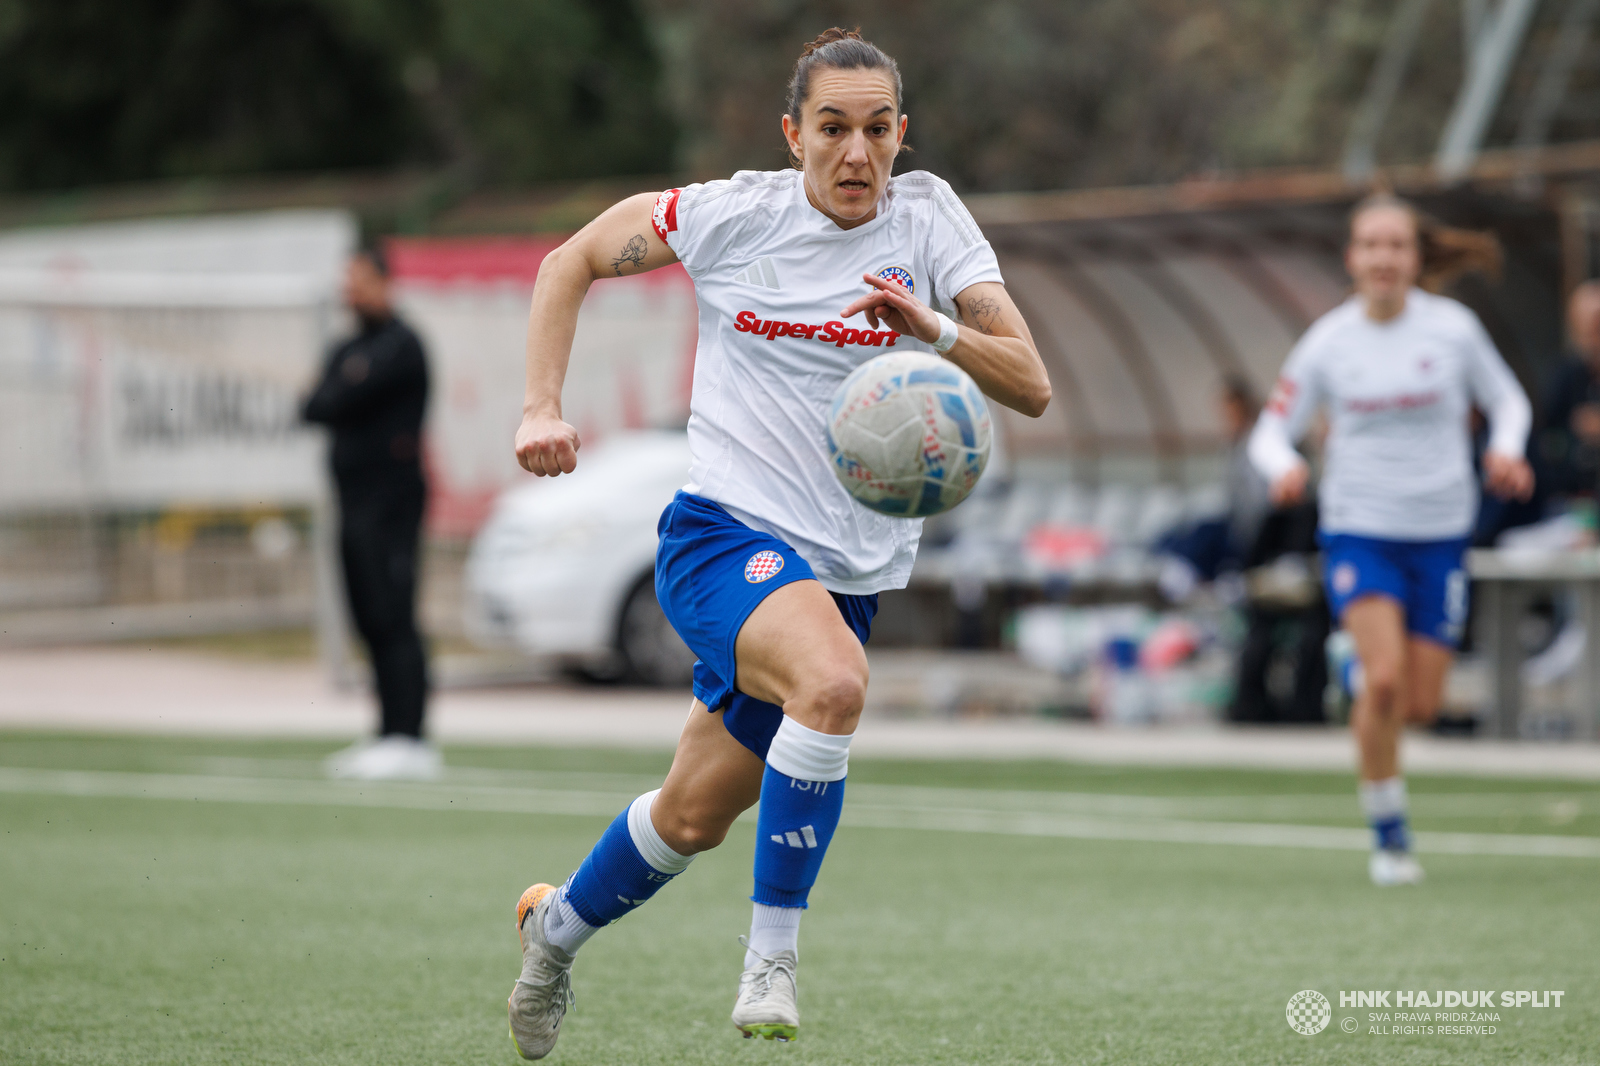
x=834, y=333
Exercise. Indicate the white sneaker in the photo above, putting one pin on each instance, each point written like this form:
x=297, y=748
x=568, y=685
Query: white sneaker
x=543, y=993
x=390, y=758
x=1388, y=867
x=767, y=1003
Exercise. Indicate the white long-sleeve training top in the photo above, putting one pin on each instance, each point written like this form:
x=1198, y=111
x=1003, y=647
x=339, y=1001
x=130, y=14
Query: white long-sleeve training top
x=1397, y=393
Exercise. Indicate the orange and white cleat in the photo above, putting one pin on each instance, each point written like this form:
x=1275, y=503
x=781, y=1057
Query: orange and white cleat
x=543, y=993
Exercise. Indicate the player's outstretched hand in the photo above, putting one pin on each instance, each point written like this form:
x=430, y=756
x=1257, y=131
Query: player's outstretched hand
x=547, y=446
x=1507, y=476
x=1290, y=488
x=896, y=308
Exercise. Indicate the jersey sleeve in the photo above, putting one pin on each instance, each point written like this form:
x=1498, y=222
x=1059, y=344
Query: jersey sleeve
x=1288, y=412
x=958, y=253
x=699, y=223
x=1495, y=389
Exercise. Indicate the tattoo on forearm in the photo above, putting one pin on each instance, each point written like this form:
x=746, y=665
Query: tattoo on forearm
x=985, y=312
x=632, y=254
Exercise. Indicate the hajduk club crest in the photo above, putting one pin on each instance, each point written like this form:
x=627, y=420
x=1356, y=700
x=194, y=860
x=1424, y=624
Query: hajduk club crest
x=761, y=566
x=900, y=276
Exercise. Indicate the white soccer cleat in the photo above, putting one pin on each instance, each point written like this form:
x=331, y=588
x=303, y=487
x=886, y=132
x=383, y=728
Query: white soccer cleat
x=1388, y=867
x=768, y=1000
x=390, y=758
x=543, y=994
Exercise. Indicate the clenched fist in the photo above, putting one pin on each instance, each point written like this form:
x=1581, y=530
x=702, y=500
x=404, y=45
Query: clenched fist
x=547, y=446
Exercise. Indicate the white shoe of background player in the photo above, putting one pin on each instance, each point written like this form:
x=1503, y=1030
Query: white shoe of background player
x=1388, y=867
x=391, y=758
x=767, y=1004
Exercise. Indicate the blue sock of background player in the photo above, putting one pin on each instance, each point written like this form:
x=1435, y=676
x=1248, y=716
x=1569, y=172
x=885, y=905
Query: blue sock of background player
x=1384, y=803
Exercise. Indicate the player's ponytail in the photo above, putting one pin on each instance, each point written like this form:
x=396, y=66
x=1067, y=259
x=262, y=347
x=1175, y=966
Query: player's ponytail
x=837, y=49
x=1447, y=253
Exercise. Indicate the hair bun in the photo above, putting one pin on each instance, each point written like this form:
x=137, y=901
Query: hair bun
x=828, y=36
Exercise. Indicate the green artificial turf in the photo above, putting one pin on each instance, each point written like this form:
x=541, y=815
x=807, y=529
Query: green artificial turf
x=252, y=926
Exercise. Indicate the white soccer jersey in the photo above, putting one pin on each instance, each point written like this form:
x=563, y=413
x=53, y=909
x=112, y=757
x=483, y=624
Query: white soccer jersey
x=1397, y=394
x=771, y=274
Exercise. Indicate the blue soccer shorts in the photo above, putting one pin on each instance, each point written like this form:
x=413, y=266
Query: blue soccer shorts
x=1427, y=577
x=712, y=570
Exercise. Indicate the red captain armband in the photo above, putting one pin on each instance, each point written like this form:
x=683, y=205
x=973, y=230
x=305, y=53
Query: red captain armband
x=665, y=216
x=1282, y=397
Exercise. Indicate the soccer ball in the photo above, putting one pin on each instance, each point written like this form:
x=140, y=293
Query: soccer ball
x=909, y=434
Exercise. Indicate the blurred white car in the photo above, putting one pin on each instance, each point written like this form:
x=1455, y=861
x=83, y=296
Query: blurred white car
x=564, y=568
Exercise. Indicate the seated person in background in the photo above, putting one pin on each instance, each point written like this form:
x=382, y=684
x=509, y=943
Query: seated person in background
x=1200, y=551
x=1568, y=450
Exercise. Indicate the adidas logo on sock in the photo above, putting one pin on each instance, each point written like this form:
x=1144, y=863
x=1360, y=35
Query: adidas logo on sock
x=761, y=273
x=793, y=839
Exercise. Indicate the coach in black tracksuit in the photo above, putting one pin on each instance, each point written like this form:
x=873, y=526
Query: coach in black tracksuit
x=373, y=391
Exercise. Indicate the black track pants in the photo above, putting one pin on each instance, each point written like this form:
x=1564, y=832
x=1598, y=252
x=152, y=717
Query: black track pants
x=380, y=526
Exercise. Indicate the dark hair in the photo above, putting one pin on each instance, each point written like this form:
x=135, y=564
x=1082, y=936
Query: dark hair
x=1446, y=253
x=1237, y=389
x=836, y=49
x=372, y=252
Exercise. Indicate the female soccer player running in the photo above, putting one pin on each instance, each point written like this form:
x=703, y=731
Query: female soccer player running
x=1396, y=370
x=766, y=566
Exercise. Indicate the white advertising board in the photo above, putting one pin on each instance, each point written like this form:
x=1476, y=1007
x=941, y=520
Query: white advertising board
x=155, y=364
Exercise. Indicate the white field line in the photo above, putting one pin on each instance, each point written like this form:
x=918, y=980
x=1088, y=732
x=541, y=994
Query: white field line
x=866, y=812
x=488, y=798
x=1559, y=807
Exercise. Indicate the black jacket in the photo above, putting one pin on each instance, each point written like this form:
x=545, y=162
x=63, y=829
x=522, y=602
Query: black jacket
x=1566, y=464
x=373, y=392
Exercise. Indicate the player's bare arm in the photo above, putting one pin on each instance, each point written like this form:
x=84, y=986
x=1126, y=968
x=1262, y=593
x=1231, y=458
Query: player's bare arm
x=619, y=243
x=993, y=343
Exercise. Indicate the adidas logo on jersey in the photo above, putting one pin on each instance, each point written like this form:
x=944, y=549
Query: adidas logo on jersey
x=761, y=273
x=805, y=838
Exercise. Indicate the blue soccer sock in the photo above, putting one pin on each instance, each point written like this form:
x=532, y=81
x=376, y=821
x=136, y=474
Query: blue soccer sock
x=802, y=794
x=1384, y=803
x=627, y=866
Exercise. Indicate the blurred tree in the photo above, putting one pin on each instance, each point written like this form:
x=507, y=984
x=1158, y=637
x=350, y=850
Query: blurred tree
x=1002, y=94
x=527, y=90
x=1038, y=94
x=95, y=91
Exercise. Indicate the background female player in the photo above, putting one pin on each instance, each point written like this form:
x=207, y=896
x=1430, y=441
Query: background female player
x=1397, y=370
x=767, y=567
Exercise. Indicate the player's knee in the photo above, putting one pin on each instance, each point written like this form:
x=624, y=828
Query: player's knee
x=837, y=696
x=1382, y=682
x=689, y=834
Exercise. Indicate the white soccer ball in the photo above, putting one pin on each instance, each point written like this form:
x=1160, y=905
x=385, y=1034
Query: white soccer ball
x=909, y=434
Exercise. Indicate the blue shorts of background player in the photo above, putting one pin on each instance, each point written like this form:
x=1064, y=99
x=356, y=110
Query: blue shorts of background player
x=712, y=570
x=1427, y=578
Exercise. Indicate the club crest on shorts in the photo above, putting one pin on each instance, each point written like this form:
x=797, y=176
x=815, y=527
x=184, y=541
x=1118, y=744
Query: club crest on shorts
x=900, y=276
x=761, y=566
x=1344, y=578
